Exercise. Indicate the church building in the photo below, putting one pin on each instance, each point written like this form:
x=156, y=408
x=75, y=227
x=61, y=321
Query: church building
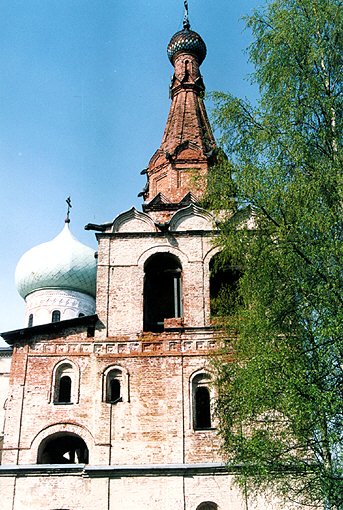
x=110, y=400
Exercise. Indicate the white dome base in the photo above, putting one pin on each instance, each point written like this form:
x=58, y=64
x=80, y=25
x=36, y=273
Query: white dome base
x=40, y=304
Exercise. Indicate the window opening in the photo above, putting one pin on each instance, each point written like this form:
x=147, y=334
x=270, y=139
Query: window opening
x=63, y=449
x=65, y=383
x=202, y=408
x=64, y=393
x=114, y=390
x=56, y=316
x=30, y=322
x=113, y=386
x=224, y=281
x=208, y=505
x=162, y=291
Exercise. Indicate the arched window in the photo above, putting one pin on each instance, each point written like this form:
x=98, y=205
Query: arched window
x=56, y=316
x=207, y=505
x=202, y=408
x=113, y=386
x=162, y=290
x=201, y=401
x=30, y=321
x=63, y=448
x=224, y=279
x=64, y=390
x=65, y=383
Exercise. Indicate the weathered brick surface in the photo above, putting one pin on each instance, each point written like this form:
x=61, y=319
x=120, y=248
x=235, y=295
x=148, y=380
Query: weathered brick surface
x=121, y=279
x=152, y=425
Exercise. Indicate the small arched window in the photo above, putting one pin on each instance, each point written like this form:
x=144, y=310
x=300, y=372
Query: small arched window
x=201, y=401
x=113, y=386
x=162, y=290
x=30, y=321
x=56, y=316
x=65, y=383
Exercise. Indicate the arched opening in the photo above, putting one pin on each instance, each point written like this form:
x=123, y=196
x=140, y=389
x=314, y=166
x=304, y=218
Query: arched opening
x=63, y=448
x=56, y=316
x=201, y=401
x=207, y=505
x=224, y=281
x=202, y=408
x=113, y=384
x=64, y=393
x=162, y=290
x=65, y=383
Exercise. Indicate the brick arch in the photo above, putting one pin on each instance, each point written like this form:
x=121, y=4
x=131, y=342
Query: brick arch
x=64, y=427
x=210, y=254
x=162, y=249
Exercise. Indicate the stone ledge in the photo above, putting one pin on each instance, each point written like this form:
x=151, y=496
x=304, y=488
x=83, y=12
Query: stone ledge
x=113, y=471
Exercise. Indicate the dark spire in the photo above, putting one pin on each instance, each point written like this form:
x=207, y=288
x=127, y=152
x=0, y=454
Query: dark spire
x=186, y=24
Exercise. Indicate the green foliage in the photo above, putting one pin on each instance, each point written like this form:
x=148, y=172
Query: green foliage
x=280, y=405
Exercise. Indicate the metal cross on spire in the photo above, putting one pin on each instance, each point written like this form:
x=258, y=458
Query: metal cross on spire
x=68, y=200
x=186, y=24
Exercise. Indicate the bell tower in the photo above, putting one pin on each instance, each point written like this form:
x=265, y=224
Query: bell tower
x=178, y=169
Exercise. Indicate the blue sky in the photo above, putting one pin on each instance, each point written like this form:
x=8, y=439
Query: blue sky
x=84, y=101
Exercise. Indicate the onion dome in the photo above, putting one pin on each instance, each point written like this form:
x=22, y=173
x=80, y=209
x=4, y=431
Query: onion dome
x=62, y=263
x=189, y=42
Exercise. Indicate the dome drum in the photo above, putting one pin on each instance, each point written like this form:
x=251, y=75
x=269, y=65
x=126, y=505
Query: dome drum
x=41, y=305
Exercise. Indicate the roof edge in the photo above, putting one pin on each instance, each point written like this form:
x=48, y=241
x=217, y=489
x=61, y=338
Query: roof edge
x=24, y=333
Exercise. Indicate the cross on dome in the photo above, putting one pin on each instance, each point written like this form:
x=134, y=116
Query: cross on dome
x=186, y=24
x=68, y=200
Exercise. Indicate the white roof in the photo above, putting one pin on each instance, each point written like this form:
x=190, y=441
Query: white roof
x=62, y=263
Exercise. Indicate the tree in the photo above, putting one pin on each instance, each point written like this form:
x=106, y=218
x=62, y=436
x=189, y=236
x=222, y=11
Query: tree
x=280, y=402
